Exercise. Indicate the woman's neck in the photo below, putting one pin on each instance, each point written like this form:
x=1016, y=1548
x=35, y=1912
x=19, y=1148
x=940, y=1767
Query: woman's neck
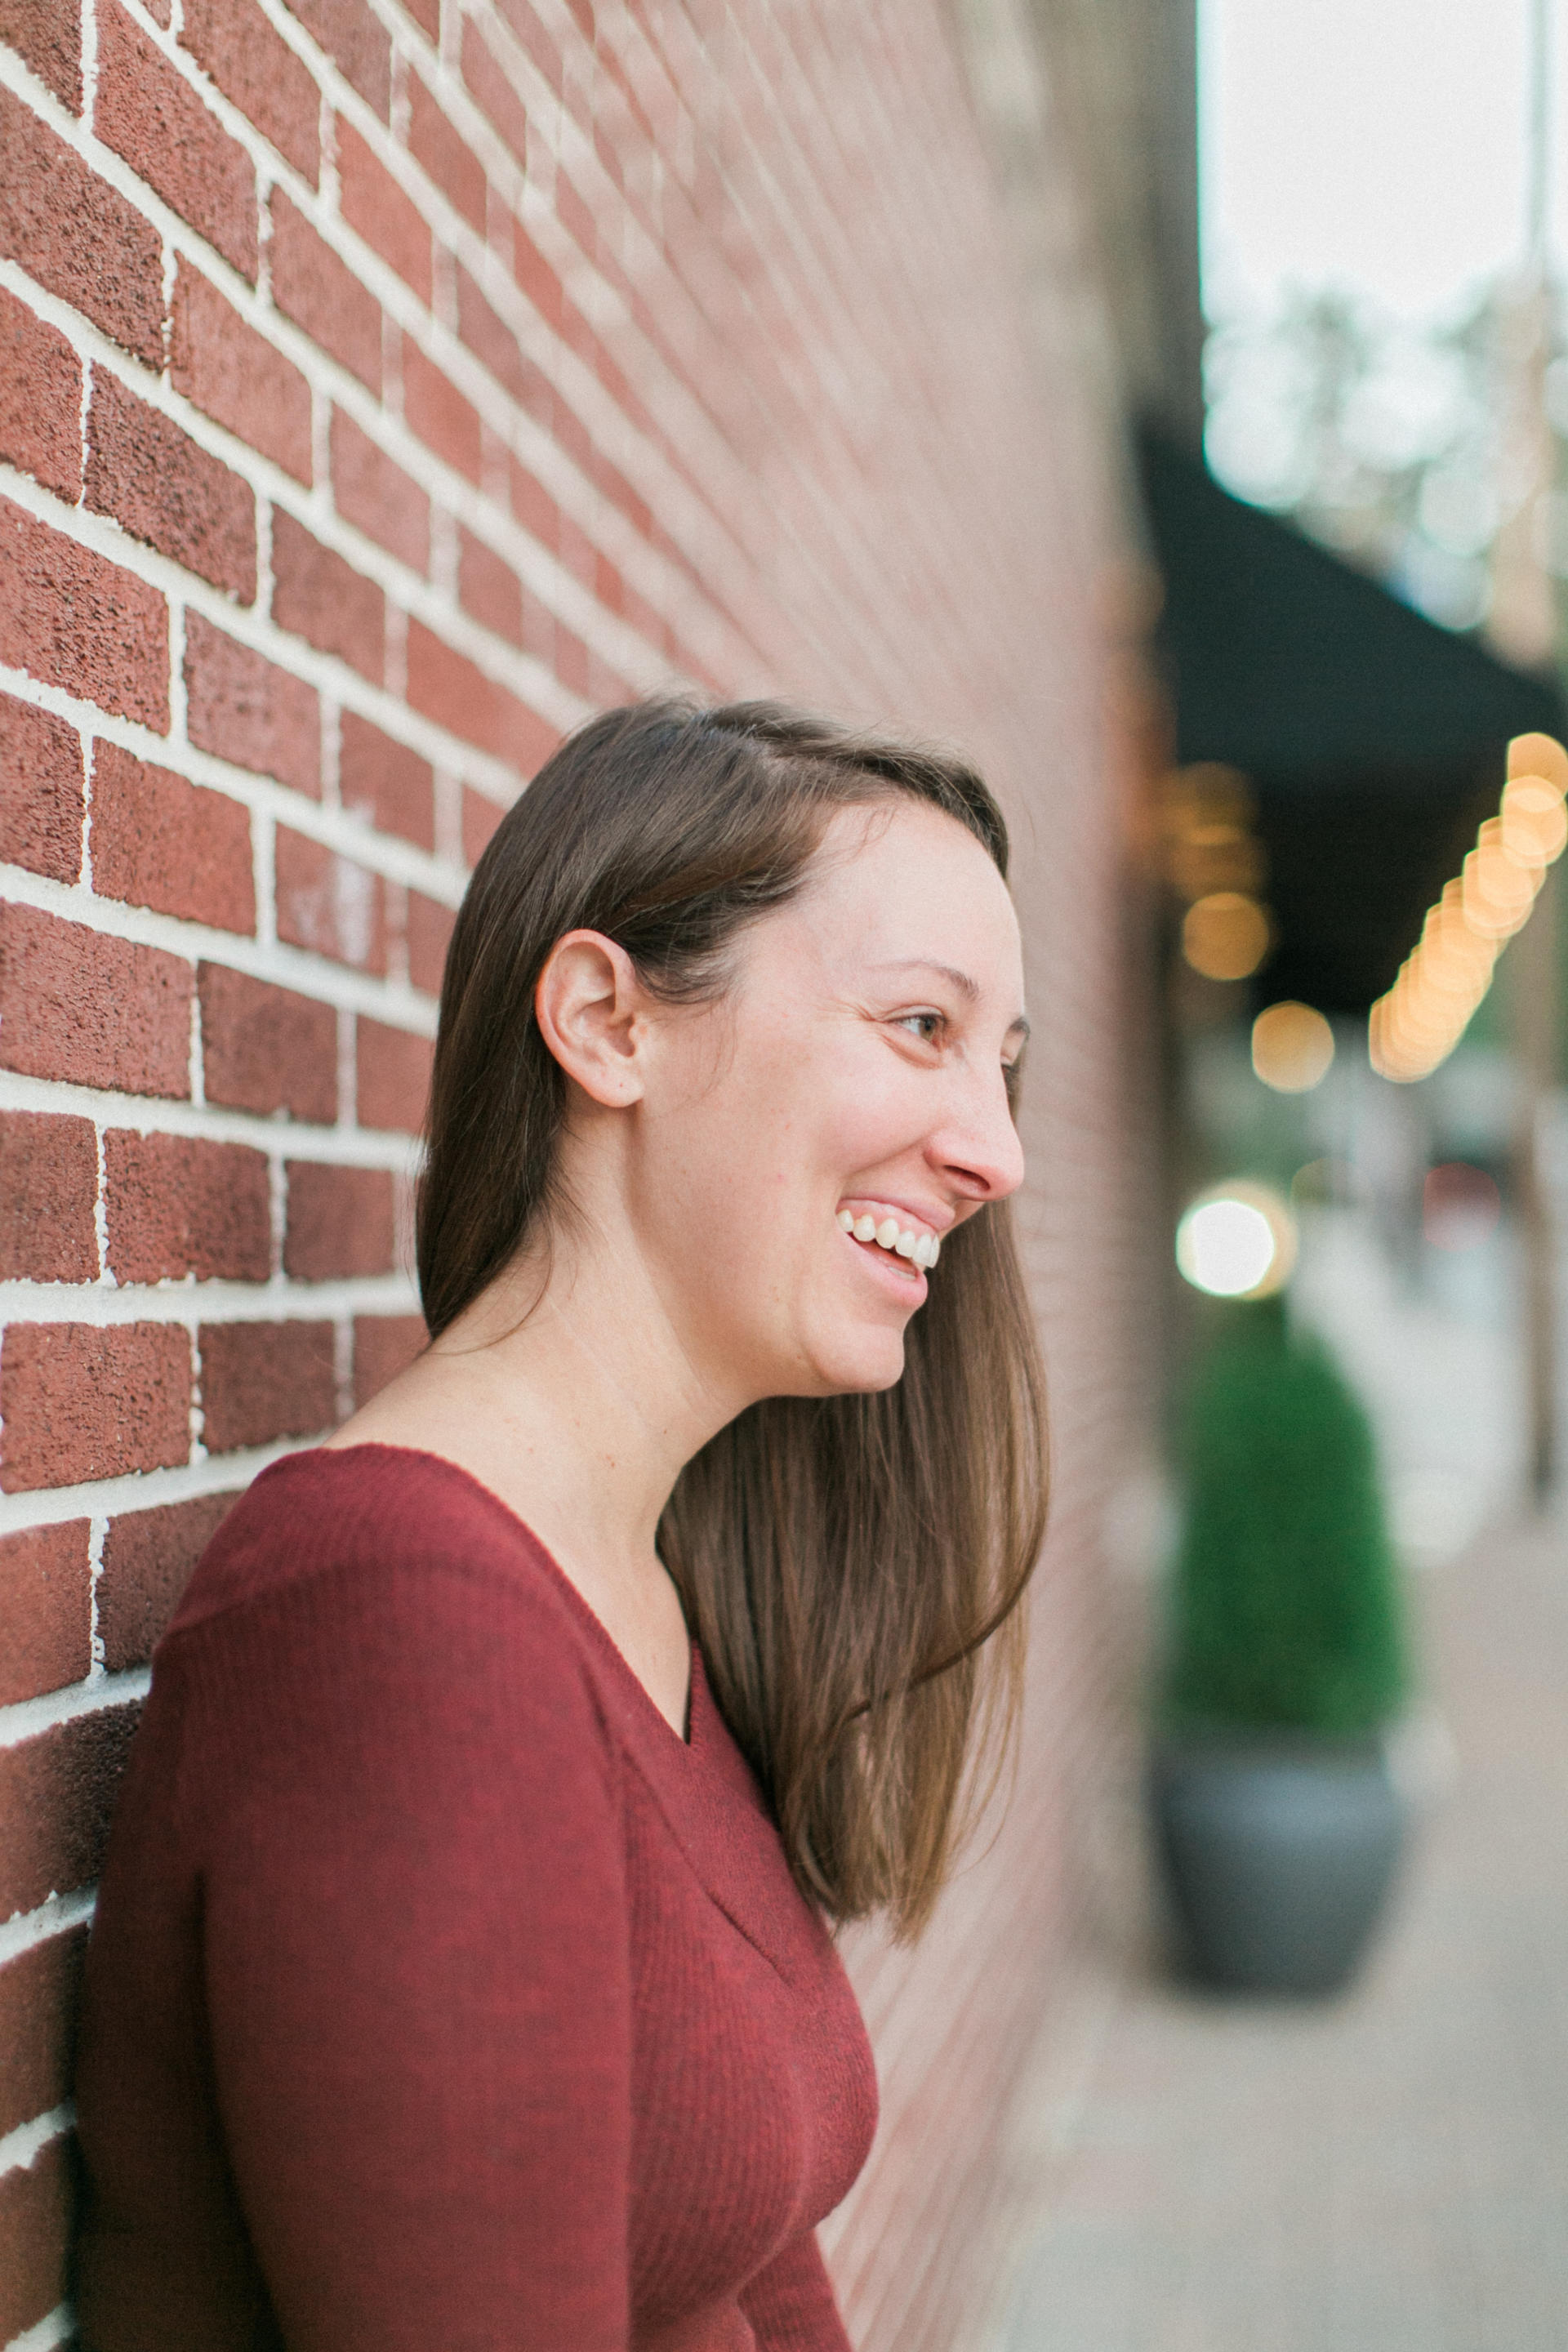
x=566, y=1392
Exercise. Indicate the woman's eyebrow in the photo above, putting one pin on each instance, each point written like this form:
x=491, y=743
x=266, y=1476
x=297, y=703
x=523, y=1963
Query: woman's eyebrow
x=960, y=980
x=967, y=987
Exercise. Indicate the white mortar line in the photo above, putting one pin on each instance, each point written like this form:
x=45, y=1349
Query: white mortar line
x=57, y=2326
x=342, y=1145
x=28, y=1716
x=61, y=1913
x=143, y=1490
x=191, y=1304
x=19, y=2148
x=289, y=967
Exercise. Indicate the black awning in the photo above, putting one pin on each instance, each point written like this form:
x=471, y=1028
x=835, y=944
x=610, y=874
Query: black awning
x=1373, y=740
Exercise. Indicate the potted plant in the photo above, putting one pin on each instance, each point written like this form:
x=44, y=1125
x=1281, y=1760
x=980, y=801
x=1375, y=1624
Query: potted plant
x=1276, y=1817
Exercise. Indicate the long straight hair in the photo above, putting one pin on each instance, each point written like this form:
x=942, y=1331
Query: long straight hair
x=851, y=1567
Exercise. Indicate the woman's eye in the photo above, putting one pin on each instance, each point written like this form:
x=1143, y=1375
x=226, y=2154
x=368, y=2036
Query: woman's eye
x=926, y=1025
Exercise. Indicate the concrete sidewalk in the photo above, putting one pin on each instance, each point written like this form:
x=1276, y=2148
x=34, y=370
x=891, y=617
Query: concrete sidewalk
x=1388, y=2174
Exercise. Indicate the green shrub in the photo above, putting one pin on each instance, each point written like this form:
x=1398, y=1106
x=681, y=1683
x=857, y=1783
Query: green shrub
x=1285, y=1604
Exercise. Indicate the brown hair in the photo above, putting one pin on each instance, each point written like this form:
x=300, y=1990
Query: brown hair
x=844, y=1561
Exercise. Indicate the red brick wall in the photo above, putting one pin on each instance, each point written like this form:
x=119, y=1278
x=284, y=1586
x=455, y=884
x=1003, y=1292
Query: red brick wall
x=383, y=389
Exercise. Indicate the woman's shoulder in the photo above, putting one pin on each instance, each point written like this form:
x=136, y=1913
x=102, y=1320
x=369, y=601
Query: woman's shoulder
x=363, y=1521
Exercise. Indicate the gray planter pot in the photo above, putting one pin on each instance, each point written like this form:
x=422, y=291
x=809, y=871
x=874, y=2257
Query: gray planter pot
x=1278, y=1854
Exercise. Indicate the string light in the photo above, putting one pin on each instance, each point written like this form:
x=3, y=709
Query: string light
x=1238, y=1239
x=1292, y=1047
x=1420, y=1019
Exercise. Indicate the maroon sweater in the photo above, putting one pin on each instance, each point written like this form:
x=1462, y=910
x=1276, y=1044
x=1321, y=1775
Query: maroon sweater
x=440, y=1996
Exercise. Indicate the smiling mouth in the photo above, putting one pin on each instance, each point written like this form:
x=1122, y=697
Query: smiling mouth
x=920, y=1250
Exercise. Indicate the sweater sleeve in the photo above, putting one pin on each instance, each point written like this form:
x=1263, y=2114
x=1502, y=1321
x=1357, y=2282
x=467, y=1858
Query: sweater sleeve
x=417, y=1963
x=791, y=2303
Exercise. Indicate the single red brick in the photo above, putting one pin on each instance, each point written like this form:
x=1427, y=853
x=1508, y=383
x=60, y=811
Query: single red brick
x=77, y=1004
x=445, y=155
x=376, y=207
x=35, y=2212
x=348, y=31
x=576, y=217
x=341, y=1222
x=38, y=1995
x=609, y=588
x=329, y=903
x=158, y=841
x=385, y=1345
x=271, y=85
x=163, y=488
x=73, y=620
x=386, y=783
x=493, y=92
x=45, y=1605
x=534, y=506
x=177, y=1206
x=267, y=1049
x=150, y=114
x=572, y=662
x=48, y=1191
x=394, y=1077
x=489, y=338
x=40, y=400
x=84, y=1404
x=488, y=590
x=246, y=710
x=262, y=1380
x=436, y=411
x=538, y=43
x=56, y=1792
x=78, y=239
x=317, y=597
x=480, y=818
x=445, y=685
x=233, y=375
x=47, y=36
x=321, y=293
x=42, y=798
x=536, y=278
x=377, y=497
x=148, y=1557
x=613, y=486
x=429, y=936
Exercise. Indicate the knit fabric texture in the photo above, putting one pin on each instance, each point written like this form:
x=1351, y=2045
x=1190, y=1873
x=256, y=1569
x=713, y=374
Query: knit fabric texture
x=439, y=1993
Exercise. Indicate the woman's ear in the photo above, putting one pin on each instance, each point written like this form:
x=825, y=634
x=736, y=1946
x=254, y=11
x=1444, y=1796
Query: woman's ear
x=589, y=1005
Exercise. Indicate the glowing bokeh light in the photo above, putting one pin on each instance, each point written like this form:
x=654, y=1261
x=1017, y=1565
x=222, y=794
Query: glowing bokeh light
x=1419, y=1022
x=1224, y=936
x=1236, y=1241
x=1292, y=1047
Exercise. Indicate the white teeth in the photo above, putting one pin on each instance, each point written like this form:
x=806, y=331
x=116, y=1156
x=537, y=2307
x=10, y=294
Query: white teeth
x=921, y=1249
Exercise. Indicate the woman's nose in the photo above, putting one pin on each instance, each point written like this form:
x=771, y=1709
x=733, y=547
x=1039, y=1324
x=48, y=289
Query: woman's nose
x=980, y=1148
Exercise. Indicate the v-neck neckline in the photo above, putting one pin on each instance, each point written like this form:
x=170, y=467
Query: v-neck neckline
x=593, y=1624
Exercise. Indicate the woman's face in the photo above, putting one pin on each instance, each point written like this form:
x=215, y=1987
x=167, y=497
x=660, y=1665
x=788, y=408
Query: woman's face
x=804, y=1145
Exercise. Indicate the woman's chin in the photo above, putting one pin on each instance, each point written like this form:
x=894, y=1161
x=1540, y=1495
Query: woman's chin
x=859, y=1363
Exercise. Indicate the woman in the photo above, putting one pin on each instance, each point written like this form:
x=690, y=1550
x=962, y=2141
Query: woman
x=461, y=1976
